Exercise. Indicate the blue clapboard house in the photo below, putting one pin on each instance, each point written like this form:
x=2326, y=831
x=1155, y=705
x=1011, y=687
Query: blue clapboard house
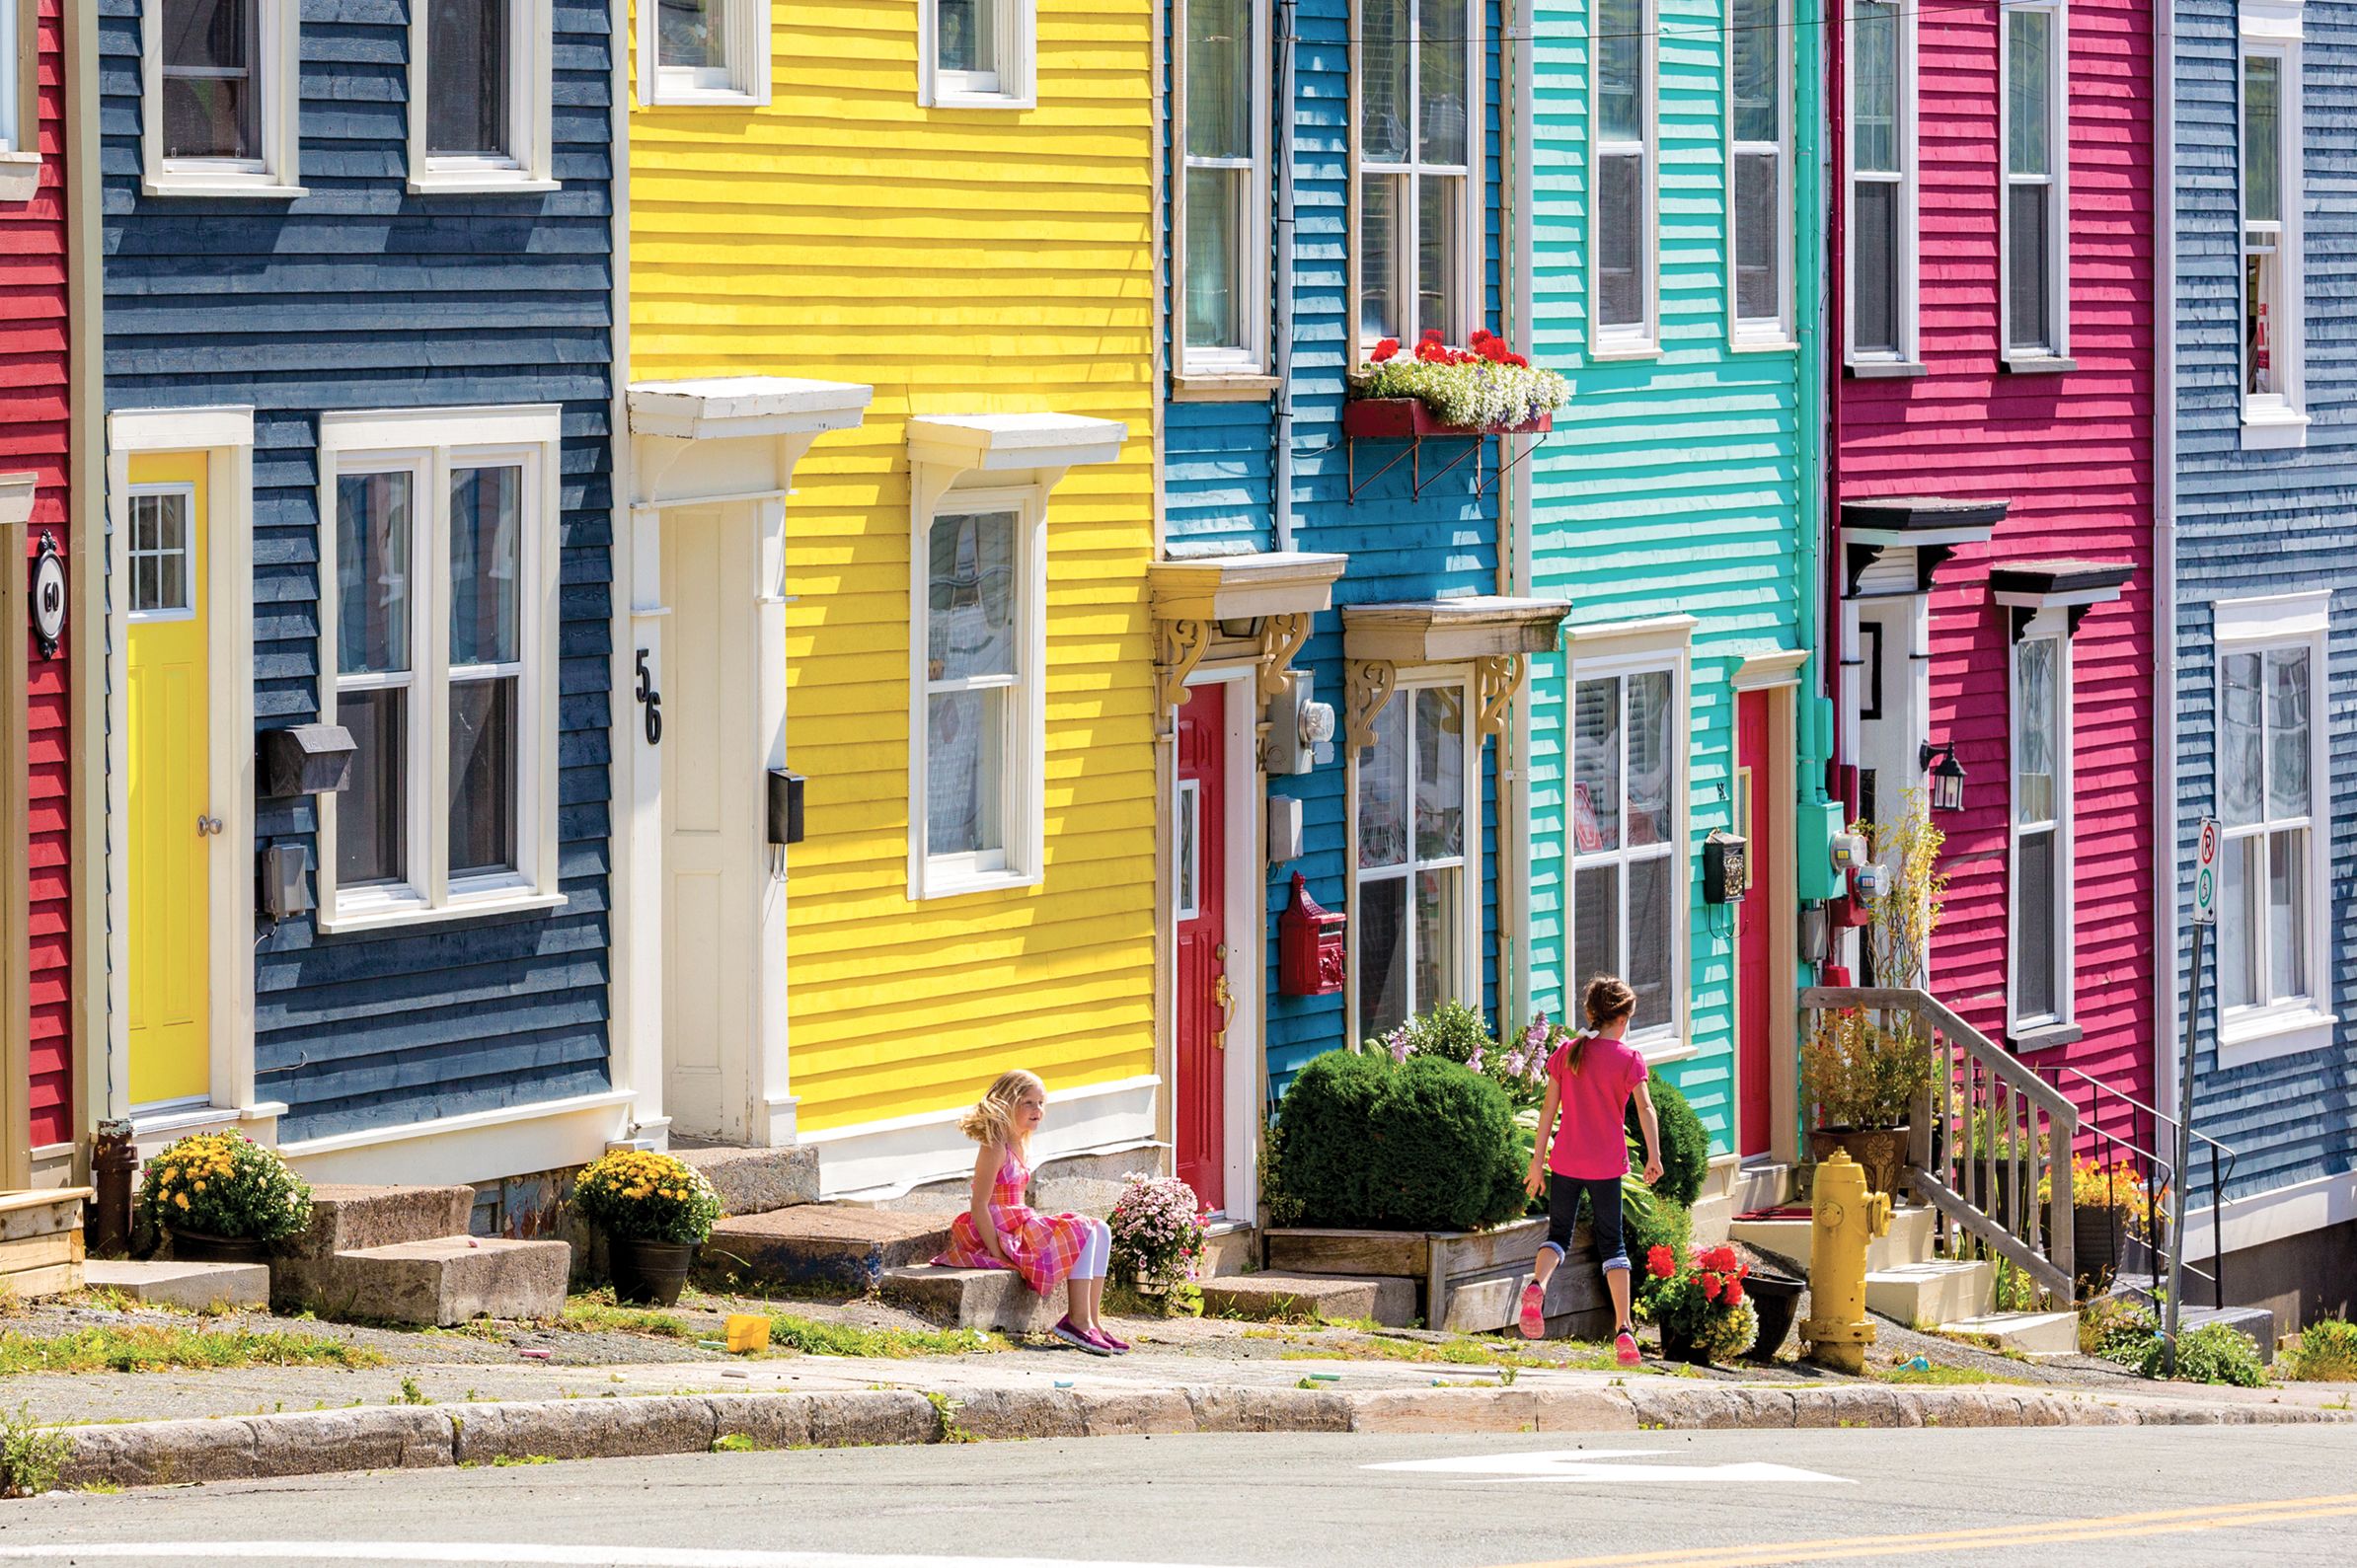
x=357, y=267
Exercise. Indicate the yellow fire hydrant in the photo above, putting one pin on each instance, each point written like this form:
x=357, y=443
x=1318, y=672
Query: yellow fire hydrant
x=1845, y=1217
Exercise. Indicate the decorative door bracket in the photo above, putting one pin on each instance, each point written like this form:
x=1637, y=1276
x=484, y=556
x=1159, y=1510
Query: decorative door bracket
x=1497, y=679
x=1183, y=644
x=1368, y=687
x=1281, y=637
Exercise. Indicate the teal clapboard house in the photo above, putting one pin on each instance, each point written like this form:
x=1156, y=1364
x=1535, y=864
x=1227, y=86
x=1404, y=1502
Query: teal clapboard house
x=1675, y=277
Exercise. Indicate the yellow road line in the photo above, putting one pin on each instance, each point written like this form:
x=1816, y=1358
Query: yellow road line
x=1767, y=1554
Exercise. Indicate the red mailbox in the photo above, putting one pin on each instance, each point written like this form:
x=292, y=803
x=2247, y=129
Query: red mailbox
x=1310, y=961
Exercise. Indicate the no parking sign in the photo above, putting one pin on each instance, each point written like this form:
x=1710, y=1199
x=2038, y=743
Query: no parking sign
x=2205, y=875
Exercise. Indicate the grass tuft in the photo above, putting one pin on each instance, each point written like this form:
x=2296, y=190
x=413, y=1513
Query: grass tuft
x=152, y=1348
x=814, y=1339
x=597, y=1313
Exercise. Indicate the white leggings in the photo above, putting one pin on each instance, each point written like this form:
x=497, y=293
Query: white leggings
x=1096, y=1251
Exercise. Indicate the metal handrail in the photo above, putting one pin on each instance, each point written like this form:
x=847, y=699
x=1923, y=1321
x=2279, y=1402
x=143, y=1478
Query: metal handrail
x=2159, y=1172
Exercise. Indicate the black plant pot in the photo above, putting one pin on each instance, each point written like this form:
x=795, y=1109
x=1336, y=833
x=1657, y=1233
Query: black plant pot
x=649, y=1273
x=1776, y=1301
x=194, y=1246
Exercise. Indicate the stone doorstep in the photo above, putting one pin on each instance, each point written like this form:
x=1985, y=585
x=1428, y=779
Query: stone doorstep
x=2030, y=1334
x=1265, y=1296
x=196, y=1287
x=1231, y=1247
x=452, y=1279
x=755, y=1180
x=992, y=1299
x=1928, y=1294
x=1909, y=1242
x=350, y=1219
x=820, y=1243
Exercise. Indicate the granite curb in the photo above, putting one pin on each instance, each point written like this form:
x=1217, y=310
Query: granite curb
x=405, y=1437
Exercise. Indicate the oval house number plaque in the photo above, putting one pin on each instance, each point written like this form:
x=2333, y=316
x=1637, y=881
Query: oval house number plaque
x=49, y=597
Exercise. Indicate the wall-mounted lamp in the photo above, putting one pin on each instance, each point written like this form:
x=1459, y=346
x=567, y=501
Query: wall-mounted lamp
x=1947, y=776
x=1243, y=628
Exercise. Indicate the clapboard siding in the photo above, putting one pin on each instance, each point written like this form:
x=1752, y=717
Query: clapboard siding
x=34, y=363
x=2073, y=455
x=364, y=296
x=2257, y=523
x=1672, y=486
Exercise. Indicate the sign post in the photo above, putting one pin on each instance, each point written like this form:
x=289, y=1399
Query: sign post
x=2205, y=914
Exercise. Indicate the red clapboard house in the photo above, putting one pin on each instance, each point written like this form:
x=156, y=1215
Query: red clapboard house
x=35, y=902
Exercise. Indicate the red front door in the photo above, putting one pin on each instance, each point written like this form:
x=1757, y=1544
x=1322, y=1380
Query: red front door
x=1198, y=890
x=1760, y=820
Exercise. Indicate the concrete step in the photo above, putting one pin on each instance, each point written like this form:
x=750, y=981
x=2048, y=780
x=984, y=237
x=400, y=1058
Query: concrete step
x=1923, y=1295
x=1712, y=1219
x=348, y=1219
x=1787, y=1232
x=820, y=1243
x=2030, y=1334
x=1268, y=1297
x=1760, y=1184
x=1230, y=1249
x=755, y=1180
x=994, y=1298
x=452, y=1279
x=196, y=1287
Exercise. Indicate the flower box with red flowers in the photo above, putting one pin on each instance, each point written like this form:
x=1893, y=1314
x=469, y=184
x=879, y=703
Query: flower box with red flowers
x=1484, y=389
x=1699, y=1302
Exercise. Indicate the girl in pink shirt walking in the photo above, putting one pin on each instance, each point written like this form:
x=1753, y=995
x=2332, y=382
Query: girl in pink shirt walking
x=1590, y=1079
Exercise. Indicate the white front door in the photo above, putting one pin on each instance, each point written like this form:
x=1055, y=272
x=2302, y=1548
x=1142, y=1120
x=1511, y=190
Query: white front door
x=715, y=802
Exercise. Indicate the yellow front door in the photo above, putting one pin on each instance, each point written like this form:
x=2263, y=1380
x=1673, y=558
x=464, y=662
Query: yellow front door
x=170, y=746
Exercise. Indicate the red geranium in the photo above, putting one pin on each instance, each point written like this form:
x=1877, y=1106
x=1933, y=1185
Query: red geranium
x=1710, y=1286
x=1386, y=349
x=1733, y=1296
x=1661, y=1263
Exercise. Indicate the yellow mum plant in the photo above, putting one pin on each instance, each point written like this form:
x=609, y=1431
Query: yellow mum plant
x=638, y=1195
x=224, y=1184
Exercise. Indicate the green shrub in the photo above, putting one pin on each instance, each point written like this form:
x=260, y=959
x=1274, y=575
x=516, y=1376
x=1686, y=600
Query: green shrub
x=2116, y=1328
x=1685, y=1142
x=1649, y=1219
x=1427, y=1145
x=2327, y=1353
x=30, y=1455
x=2212, y=1353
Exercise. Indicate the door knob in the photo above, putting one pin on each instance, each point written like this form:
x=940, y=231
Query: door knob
x=208, y=826
x=1227, y=1010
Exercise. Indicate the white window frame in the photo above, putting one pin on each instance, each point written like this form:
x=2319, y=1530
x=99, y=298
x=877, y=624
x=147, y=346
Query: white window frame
x=1466, y=312
x=1643, y=337
x=743, y=83
x=1601, y=653
x=1022, y=794
x=2254, y=626
x=276, y=176
x=132, y=555
x=2278, y=418
x=2047, y=626
x=2057, y=183
x=1014, y=85
x=1910, y=249
x=430, y=442
x=1250, y=358
x=526, y=166
x=17, y=53
x=1466, y=984
x=1761, y=333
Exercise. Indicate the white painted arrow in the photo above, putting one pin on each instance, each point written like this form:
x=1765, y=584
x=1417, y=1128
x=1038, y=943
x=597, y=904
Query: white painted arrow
x=1586, y=1464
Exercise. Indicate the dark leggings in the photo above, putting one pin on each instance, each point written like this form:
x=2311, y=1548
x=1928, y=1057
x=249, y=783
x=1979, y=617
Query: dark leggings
x=1563, y=1210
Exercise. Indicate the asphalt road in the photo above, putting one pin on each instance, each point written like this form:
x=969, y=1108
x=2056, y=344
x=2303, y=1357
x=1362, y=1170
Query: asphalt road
x=2209, y=1496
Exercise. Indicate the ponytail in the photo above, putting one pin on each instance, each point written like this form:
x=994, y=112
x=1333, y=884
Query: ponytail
x=1606, y=998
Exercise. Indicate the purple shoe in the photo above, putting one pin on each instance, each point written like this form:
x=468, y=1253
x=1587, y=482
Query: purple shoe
x=1105, y=1336
x=1079, y=1339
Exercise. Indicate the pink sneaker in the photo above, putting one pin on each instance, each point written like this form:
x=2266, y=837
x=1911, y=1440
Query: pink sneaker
x=1624, y=1349
x=1107, y=1334
x=1111, y=1345
x=1534, y=1311
x=1079, y=1339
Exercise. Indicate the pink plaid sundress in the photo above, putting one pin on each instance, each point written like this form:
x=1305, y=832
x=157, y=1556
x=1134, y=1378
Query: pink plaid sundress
x=1044, y=1246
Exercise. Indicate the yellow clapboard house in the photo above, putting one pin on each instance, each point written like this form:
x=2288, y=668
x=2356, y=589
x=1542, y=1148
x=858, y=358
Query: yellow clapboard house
x=891, y=322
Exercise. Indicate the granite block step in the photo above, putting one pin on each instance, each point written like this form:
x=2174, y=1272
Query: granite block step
x=820, y=1244
x=754, y=1180
x=2030, y=1334
x=348, y=1219
x=992, y=1299
x=450, y=1280
x=193, y=1287
x=1281, y=1297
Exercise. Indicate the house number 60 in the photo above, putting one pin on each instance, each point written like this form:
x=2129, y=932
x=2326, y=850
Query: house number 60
x=650, y=699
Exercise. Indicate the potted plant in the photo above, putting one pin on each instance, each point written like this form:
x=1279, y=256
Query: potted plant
x=1157, y=1242
x=1697, y=1299
x=2112, y=1212
x=223, y=1198
x=655, y=1211
x=1482, y=389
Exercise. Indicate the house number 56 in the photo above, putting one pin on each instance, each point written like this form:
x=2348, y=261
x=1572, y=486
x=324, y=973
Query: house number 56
x=651, y=701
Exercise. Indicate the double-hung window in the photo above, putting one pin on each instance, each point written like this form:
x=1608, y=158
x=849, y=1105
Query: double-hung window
x=479, y=95
x=2273, y=909
x=976, y=53
x=1224, y=257
x=1626, y=842
x=2274, y=307
x=1413, y=906
x=2041, y=827
x=704, y=52
x=2037, y=245
x=439, y=553
x=218, y=110
x=1621, y=85
x=1759, y=164
x=20, y=126
x=1418, y=140
x=13, y=137
x=1881, y=217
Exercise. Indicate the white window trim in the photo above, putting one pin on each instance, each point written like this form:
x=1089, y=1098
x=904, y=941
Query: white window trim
x=433, y=442
x=1644, y=338
x=132, y=616
x=1600, y=653
x=1024, y=800
x=1468, y=311
x=20, y=96
x=530, y=46
x=2046, y=625
x=2279, y=420
x=1910, y=257
x=2251, y=626
x=1250, y=359
x=1760, y=335
x=1019, y=63
x=1187, y=849
x=1466, y=985
x=277, y=176
x=2058, y=130
x=745, y=84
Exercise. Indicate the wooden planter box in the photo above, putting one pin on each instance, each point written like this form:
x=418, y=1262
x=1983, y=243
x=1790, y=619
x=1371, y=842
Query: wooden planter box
x=1408, y=419
x=40, y=1242
x=1468, y=1281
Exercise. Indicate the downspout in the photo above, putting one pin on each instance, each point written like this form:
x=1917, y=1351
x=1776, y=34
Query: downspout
x=1832, y=169
x=1281, y=361
x=1811, y=400
x=628, y=1008
x=94, y=1094
x=1514, y=575
x=2165, y=578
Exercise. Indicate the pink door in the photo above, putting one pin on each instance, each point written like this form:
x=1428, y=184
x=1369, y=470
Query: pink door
x=1761, y=824
x=1199, y=848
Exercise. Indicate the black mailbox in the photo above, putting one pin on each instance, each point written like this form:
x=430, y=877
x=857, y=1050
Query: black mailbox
x=1725, y=868
x=305, y=760
x=784, y=806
